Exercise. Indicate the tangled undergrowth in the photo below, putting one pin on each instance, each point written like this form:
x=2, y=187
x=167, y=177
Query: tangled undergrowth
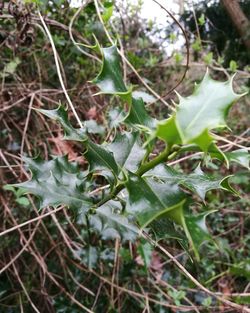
x=52, y=258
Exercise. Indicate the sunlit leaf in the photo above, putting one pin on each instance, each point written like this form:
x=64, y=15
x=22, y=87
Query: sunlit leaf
x=198, y=114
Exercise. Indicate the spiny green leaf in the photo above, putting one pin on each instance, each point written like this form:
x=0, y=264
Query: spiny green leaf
x=99, y=158
x=70, y=133
x=198, y=114
x=196, y=229
x=102, y=160
x=150, y=200
x=197, y=181
x=61, y=115
x=240, y=156
x=108, y=11
x=127, y=151
x=111, y=224
x=110, y=80
x=138, y=116
x=56, y=182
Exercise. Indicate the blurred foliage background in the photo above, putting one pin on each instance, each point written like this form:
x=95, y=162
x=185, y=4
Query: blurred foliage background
x=37, y=263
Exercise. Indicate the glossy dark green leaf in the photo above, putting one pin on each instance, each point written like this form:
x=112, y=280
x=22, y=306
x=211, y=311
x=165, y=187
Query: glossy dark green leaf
x=150, y=201
x=110, y=80
x=111, y=224
x=197, y=181
x=56, y=182
x=198, y=114
x=102, y=160
x=127, y=151
x=61, y=115
x=196, y=230
x=138, y=116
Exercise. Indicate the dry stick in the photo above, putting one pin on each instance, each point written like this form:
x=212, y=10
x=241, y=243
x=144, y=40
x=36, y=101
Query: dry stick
x=29, y=221
x=7, y=163
x=131, y=292
x=22, y=250
x=80, y=285
x=41, y=263
x=65, y=236
x=5, y=108
x=26, y=124
x=147, y=307
x=230, y=142
x=24, y=289
x=117, y=246
x=194, y=280
x=126, y=60
x=59, y=71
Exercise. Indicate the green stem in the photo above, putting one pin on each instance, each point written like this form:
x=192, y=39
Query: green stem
x=112, y=195
x=162, y=157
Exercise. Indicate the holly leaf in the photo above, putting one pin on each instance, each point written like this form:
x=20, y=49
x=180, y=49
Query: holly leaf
x=240, y=156
x=197, y=182
x=198, y=114
x=102, y=160
x=110, y=80
x=61, y=116
x=127, y=151
x=150, y=200
x=110, y=223
x=138, y=116
x=56, y=182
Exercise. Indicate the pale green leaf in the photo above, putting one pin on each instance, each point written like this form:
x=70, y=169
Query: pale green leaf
x=198, y=114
